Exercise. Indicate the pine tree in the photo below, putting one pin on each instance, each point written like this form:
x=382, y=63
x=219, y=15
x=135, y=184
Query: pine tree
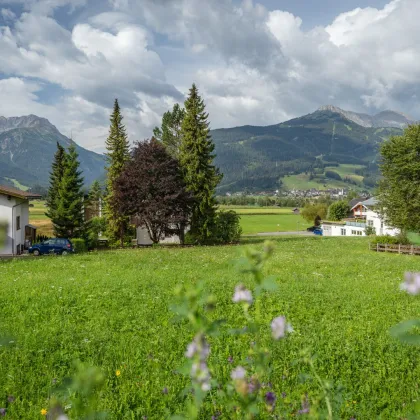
x=95, y=199
x=56, y=176
x=196, y=158
x=170, y=132
x=118, y=154
x=68, y=220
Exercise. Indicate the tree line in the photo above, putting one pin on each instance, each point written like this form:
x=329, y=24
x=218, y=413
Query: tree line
x=165, y=184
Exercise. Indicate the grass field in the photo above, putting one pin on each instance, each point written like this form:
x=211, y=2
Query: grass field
x=302, y=181
x=111, y=310
x=38, y=218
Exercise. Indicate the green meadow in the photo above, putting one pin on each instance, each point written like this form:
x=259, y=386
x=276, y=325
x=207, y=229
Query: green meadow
x=111, y=310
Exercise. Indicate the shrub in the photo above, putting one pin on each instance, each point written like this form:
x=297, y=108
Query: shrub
x=338, y=210
x=333, y=175
x=227, y=228
x=79, y=244
x=370, y=230
x=391, y=240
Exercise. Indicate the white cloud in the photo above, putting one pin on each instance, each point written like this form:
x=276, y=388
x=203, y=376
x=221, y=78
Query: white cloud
x=252, y=66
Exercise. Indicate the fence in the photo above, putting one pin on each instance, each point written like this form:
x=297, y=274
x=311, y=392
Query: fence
x=397, y=249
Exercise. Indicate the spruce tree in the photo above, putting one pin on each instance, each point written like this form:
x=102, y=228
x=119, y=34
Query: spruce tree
x=56, y=176
x=170, y=132
x=68, y=220
x=196, y=158
x=95, y=198
x=118, y=154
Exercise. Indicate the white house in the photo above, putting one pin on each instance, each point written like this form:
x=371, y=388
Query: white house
x=14, y=212
x=365, y=215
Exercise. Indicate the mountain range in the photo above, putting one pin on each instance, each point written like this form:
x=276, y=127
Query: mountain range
x=27, y=147
x=258, y=158
x=250, y=157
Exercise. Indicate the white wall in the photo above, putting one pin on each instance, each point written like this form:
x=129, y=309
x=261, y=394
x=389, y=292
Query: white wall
x=143, y=238
x=342, y=230
x=373, y=219
x=9, y=210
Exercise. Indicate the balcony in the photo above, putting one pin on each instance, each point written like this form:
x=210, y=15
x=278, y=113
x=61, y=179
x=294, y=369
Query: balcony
x=356, y=224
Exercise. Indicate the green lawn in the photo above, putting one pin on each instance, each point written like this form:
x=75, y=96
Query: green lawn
x=111, y=310
x=258, y=210
x=18, y=185
x=272, y=223
x=37, y=212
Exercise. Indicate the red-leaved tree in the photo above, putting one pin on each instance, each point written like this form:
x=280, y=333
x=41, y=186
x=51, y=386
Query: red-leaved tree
x=151, y=190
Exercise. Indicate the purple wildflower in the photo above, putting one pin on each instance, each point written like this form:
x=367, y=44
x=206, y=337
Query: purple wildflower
x=238, y=373
x=411, y=284
x=2, y=412
x=279, y=327
x=253, y=385
x=11, y=399
x=242, y=295
x=200, y=373
x=230, y=359
x=165, y=391
x=305, y=407
x=270, y=398
x=199, y=347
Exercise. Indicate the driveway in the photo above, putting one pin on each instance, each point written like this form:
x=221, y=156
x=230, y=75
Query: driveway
x=294, y=233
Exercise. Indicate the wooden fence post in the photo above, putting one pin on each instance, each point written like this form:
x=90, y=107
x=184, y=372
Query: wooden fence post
x=377, y=247
x=412, y=249
x=399, y=248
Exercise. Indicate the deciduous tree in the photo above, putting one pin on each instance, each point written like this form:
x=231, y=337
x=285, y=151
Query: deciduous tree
x=313, y=212
x=151, y=189
x=170, y=131
x=399, y=191
x=338, y=210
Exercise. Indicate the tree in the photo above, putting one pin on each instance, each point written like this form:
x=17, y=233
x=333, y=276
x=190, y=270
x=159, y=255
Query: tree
x=170, y=132
x=95, y=199
x=399, y=191
x=68, y=219
x=338, y=210
x=313, y=213
x=151, y=189
x=56, y=175
x=196, y=159
x=117, y=155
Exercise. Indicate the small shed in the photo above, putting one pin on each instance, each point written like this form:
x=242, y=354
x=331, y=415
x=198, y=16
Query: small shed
x=296, y=211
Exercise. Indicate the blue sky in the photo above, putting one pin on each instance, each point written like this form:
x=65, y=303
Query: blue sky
x=255, y=62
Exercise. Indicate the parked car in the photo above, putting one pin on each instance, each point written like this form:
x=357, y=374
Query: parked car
x=311, y=229
x=318, y=231
x=60, y=246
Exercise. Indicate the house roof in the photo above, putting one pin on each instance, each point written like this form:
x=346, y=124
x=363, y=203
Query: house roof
x=372, y=201
x=14, y=192
x=355, y=201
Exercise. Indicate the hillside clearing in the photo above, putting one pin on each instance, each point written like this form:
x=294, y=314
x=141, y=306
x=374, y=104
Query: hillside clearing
x=111, y=310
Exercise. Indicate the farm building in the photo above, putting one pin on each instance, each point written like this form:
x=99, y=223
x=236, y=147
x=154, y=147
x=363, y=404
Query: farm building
x=364, y=215
x=14, y=212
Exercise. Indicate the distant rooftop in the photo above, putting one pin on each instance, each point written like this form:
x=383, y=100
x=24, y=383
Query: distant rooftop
x=370, y=202
x=14, y=192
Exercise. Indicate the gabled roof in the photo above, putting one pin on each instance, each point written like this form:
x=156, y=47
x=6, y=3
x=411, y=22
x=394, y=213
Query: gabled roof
x=355, y=201
x=14, y=192
x=370, y=202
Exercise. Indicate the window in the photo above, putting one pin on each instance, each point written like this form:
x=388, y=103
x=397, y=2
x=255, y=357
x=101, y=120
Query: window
x=370, y=223
x=343, y=232
x=17, y=222
x=353, y=232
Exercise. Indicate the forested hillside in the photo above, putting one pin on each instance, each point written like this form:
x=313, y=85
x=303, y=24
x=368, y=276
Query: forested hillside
x=258, y=157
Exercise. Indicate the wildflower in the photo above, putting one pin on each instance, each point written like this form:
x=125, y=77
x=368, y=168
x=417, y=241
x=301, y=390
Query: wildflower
x=270, y=398
x=200, y=374
x=230, y=359
x=283, y=395
x=10, y=399
x=280, y=327
x=411, y=284
x=44, y=412
x=238, y=373
x=2, y=412
x=117, y=372
x=305, y=406
x=165, y=391
x=199, y=347
x=242, y=295
x=253, y=385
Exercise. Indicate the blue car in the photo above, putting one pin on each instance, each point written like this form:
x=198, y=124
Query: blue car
x=318, y=231
x=59, y=246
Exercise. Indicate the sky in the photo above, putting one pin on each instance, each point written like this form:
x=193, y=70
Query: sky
x=254, y=62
